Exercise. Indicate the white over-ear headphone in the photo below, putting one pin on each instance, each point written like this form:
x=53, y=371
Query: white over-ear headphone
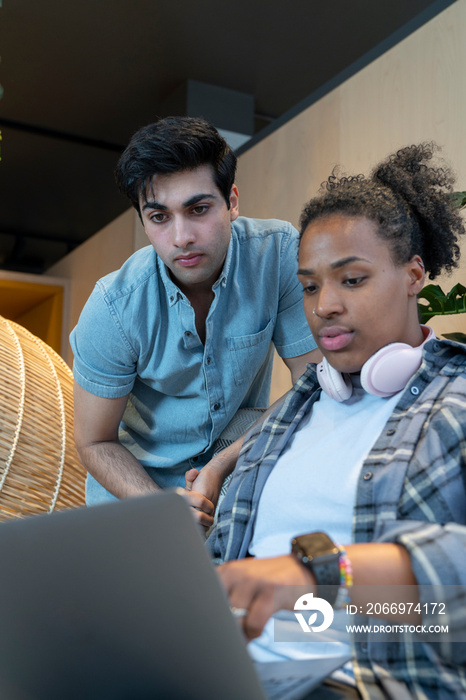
x=384, y=374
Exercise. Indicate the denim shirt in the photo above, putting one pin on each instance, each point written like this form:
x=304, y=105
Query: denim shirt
x=137, y=335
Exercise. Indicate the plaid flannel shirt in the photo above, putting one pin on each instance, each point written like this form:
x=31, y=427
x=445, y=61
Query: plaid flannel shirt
x=411, y=490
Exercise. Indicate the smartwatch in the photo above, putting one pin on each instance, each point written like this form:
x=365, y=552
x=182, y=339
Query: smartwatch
x=318, y=553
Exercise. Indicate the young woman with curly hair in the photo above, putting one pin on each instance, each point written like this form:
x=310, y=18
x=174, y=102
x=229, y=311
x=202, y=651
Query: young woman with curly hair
x=369, y=448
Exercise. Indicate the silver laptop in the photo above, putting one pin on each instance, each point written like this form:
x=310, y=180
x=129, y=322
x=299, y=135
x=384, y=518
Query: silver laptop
x=122, y=602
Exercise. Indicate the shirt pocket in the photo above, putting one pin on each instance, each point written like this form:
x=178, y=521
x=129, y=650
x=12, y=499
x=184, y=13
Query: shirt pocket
x=248, y=353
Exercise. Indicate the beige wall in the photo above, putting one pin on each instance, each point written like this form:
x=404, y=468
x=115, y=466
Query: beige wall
x=414, y=92
x=102, y=253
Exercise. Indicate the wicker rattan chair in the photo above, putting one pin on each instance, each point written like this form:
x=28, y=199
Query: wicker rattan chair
x=39, y=466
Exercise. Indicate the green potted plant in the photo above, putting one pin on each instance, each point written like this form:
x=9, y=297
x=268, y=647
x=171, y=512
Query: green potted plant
x=435, y=302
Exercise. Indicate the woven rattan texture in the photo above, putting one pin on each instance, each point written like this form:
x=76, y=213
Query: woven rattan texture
x=39, y=466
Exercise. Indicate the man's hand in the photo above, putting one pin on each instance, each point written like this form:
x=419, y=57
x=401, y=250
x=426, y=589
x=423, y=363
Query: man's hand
x=262, y=586
x=206, y=485
x=203, y=508
x=208, y=482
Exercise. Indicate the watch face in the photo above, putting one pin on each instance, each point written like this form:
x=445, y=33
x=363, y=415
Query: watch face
x=318, y=543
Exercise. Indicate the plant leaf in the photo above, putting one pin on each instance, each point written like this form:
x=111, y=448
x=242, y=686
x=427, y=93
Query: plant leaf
x=459, y=199
x=459, y=337
x=441, y=304
x=436, y=301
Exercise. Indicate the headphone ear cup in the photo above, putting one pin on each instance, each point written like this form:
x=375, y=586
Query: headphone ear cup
x=388, y=371
x=335, y=384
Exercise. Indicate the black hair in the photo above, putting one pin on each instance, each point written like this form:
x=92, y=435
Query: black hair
x=409, y=200
x=171, y=145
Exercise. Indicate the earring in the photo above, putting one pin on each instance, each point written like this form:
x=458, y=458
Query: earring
x=314, y=311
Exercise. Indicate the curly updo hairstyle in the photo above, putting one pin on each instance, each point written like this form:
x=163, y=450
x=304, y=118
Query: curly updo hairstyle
x=408, y=199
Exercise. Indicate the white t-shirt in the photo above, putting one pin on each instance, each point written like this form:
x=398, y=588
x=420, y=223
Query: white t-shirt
x=313, y=487
x=313, y=484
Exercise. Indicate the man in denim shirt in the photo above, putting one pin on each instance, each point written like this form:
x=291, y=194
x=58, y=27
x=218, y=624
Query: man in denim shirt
x=169, y=347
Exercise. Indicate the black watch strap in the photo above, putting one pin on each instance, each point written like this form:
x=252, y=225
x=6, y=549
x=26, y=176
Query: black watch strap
x=318, y=553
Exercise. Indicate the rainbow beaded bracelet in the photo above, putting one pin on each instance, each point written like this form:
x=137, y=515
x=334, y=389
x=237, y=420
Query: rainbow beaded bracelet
x=346, y=579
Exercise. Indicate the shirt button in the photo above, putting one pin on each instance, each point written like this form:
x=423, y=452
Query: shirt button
x=367, y=476
x=391, y=432
x=207, y=360
x=216, y=406
x=415, y=390
x=194, y=459
x=187, y=333
x=172, y=298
